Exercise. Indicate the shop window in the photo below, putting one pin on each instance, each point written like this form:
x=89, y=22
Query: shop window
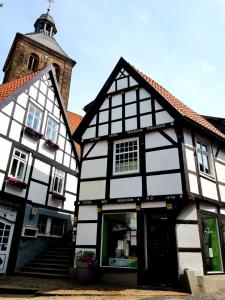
x=57, y=227
x=51, y=130
x=211, y=244
x=34, y=117
x=57, y=71
x=42, y=224
x=33, y=62
x=18, y=164
x=119, y=240
x=58, y=182
x=203, y=155
x=126, y=156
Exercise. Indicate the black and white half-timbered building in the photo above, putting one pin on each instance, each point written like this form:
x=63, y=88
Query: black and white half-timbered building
x=151, y=190
x=38, y=168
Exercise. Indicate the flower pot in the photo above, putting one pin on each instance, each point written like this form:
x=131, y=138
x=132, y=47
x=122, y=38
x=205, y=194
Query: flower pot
x=86, y=274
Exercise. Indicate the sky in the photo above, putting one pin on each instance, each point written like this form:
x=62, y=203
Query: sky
x=178, y=43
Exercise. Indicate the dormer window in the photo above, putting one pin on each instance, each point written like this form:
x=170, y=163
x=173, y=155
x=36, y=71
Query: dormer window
x=57, y=71
x=33, y=62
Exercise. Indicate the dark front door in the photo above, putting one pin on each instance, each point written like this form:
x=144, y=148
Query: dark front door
x=161, y=250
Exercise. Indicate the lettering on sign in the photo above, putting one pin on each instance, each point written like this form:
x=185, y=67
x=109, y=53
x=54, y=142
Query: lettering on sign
x=8, y=213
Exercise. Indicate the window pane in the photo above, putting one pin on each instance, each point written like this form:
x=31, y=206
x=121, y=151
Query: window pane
x=55, y=187
x=60, y=185
x=211, y=243
x=13, y=168
x=206, y=163
x=119, y=240
x=21, y=169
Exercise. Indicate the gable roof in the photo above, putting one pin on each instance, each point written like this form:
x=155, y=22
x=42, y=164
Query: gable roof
x=8, y=88
x=178, y=106
x=74, y=121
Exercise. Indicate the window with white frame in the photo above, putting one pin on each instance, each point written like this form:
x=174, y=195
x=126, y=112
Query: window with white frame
x=58, y=181
x=34, y=117
x=42, y=224
x=18, y=164
x=126, y=156
x=51, y=130
x=203, y=156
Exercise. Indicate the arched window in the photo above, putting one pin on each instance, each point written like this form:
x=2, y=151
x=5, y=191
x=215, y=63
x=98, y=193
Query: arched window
x=48, y=29
x=33, y=62
x=57, y=71
x=41, y=26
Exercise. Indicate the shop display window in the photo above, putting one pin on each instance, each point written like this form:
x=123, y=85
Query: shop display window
x=119, y=240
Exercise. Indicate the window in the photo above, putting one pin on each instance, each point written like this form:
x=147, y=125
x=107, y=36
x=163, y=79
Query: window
x=51, y=130
x=126, y=158
x=58, y=182
x=211, y=244
x=57, y=71
x=119, y=240
x=203, y=157
x=34, y=117
x=42, y=224
x=57, y=226
x=18, y=164
x=33, y=62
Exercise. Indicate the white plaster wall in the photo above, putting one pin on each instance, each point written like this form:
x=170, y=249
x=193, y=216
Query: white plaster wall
x=144, y=94
x=1, y=179
x=162, y=160
x=208, y=189
x=220, y=170
x=145, y=106
x=221, y=155
x=87, y=212
x=8, y=108
x=188, y=236
x=130, y=110
x=119, y=206
x=122, y=83
x=191, y=261
x=116, y=100
x=92, y=190
x=155, y=139
x=126, y=187
x=15, y=131
x=101, y=148
x=59, y=156
x=222, y=192
x=158, y=106
x=4, y=124
x=190, y=158
x=208, y=207
x=188, y=137
x=163, y=117
x=116, y=127
x=131, y=124
x=104, y=105
x=153, y=204
x=29, y=142
x=89, y=133
x=167, y=184
x=146, y=121
x=19, y=113
x=54, y=203
x=130, y=96
x=116, y=113
x=4, y=153
x=112, y=88
x=41, y=171
x=133, y=81
x=86, y=148
x=93, y=122
x=104, y=116
x=86, y=234
x=103, y=130
x=15, y=191
x=22, y=99
x=69, y=202
x=188, y=213
x=94, y=168
x=45, y=151
x=37, y=192
x=71, y=183
x=193, y=182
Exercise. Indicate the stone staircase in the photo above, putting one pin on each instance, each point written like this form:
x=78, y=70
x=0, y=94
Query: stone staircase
x=53, y=262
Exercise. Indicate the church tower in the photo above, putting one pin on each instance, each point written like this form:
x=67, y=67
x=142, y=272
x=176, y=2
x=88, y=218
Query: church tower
x=34, y=51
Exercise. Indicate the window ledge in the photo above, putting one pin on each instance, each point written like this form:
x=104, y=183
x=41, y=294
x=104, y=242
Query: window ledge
x=58, y=196
x=10, y=181
x=207, y=176
x=52, y=146
x=33, y=133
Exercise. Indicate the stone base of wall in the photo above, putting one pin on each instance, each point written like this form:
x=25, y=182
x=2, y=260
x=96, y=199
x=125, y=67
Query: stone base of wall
x=212, y=283
x=119, y=279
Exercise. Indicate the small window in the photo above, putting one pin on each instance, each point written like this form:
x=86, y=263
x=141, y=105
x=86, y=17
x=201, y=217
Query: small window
x=34, y=117
x=203, y=155
x=51, y=130
x=57, y=71
x=18, y=164
x=42, y=224
x=126, y=156
x=57, y=227
x=33, y=62
x=58, y=182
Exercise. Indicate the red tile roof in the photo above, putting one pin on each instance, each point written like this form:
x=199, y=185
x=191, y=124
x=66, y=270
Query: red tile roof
x=183, y=109
x=10, y=87
x=74, y=121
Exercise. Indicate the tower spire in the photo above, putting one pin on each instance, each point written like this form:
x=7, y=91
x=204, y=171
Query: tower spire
x=50, y=4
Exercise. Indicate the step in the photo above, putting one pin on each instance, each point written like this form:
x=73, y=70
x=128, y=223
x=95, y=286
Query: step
x=52, y=260
x=50, y=252
x=45, y=270
x=47, y=265
x=55, y=256
x=42, y=275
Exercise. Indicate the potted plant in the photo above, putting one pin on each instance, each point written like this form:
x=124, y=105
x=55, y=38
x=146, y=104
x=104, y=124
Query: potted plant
x=51, y=145
x=16, y=182
x=58, y=196
x=33, y=133
x=86, y=264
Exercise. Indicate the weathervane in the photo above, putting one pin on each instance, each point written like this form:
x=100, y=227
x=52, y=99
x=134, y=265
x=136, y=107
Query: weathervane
x=50, y=3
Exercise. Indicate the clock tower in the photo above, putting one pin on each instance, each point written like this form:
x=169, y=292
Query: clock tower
x=33, y=51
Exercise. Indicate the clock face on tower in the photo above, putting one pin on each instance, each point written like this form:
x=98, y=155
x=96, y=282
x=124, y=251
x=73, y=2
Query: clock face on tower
x=45, y=58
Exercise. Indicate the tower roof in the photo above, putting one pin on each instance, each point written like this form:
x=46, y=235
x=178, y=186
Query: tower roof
x=46, y=24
